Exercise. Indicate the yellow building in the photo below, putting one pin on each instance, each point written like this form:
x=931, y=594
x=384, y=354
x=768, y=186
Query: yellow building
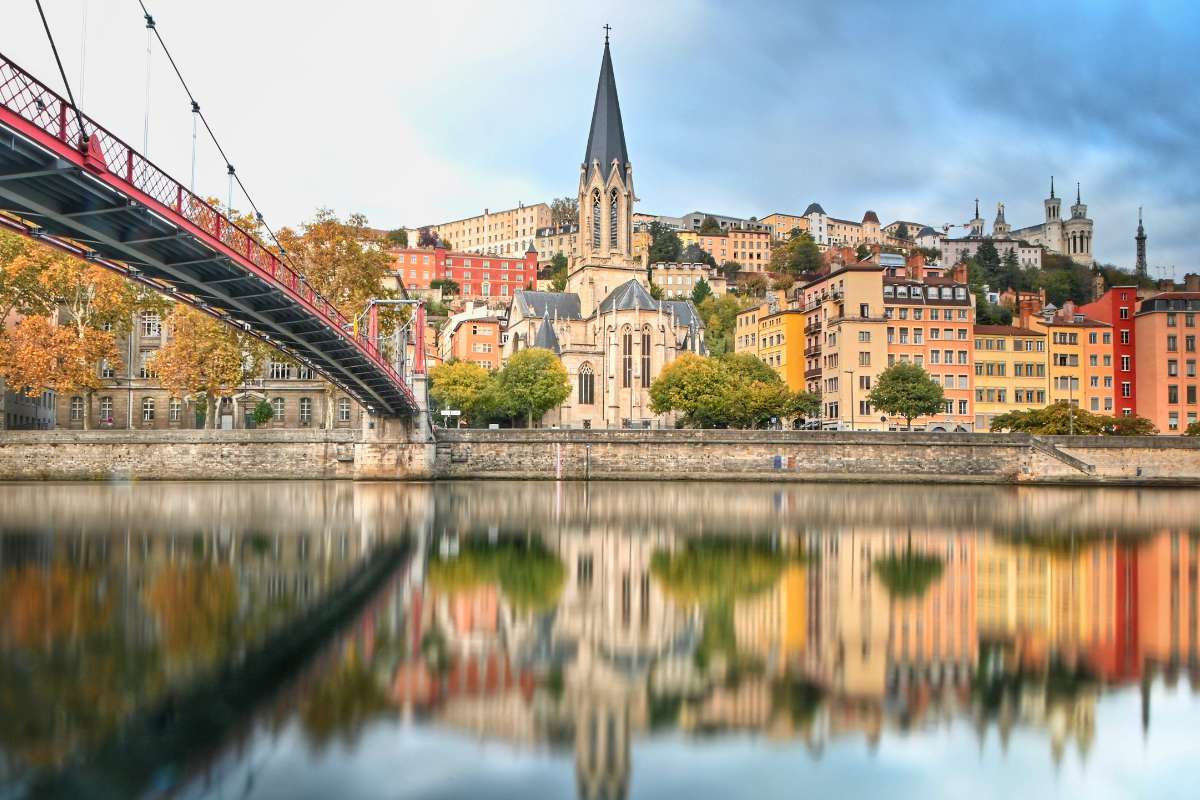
x=845, y=343
x=508, y=232
x=781, y=344
x=1010, y=372
x=782, y=224
x=1080, y=372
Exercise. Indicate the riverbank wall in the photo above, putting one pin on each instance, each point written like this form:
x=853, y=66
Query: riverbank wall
x=598, y=455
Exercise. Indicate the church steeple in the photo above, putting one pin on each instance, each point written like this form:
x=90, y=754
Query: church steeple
x=1052, y=204
x=1079, y=210
x=606, y=139
x=1141, y=268
x=977, y=223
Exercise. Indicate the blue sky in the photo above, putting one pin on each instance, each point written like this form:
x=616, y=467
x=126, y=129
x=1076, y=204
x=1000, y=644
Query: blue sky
x=423, y=112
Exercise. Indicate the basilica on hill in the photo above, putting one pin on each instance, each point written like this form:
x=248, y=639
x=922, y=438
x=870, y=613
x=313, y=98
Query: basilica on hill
x=612, y=336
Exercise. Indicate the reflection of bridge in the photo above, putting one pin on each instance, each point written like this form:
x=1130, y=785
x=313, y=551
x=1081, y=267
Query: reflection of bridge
x=183, y=731
x=71, y=184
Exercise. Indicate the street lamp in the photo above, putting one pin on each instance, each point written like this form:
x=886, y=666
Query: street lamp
x=850, y=372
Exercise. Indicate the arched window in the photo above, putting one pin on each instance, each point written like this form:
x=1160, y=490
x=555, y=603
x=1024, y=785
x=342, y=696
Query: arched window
x=147, y=409
x=596, y=221
x=612, y=220
x=587, y=385
x=278, y=406
x=646, y=357
x=626, y=358
x=76, y=409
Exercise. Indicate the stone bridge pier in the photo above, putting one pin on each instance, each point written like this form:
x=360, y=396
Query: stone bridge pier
x=397, y=447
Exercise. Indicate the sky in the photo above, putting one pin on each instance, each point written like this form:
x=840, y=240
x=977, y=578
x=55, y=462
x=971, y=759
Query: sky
x=422, y=112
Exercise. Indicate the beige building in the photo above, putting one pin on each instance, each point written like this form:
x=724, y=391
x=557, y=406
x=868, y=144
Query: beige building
x=782, y=225
x=678, y=280
x=509, y=232
x=551, y=241
x=612, y=336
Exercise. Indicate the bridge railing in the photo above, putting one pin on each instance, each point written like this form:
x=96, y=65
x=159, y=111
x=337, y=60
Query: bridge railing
x=53, y=116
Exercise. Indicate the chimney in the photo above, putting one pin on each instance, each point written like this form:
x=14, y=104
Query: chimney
x=1191, y=282
x=914, y=265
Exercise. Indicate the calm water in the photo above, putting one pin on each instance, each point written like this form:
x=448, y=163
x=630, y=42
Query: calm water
x=533, y=640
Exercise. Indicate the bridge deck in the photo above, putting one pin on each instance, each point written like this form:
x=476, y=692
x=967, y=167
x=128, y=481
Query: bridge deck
x=112, y=206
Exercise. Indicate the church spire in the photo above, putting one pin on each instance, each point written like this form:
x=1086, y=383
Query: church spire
x=1077, y=200
x=1051, y=187
x=606, y=139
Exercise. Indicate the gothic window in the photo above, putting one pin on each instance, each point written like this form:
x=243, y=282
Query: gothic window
x=587, y=385
x=596, y=221
x=646, y=357
x=627, y=358
x=612, y=220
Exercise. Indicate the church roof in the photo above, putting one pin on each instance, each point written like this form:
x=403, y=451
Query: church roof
x=562, y=305
x=811, y=208
x=546, y=337
x=606, y=139
x=685, y=312
x=628, y=296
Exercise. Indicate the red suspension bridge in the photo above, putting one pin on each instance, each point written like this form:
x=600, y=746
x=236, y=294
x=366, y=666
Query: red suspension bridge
x=71, y=184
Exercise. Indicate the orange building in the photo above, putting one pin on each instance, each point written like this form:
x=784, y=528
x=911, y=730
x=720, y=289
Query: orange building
x=750, y=248
x=1165, y=339
x=1080, y=358
x=476, y=340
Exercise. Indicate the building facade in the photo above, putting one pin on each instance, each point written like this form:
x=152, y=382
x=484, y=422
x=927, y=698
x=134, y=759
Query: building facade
x=1166, y=357
x=678, y=280
x=1080, y=358
x=499, y=233
x=1118, y=307
x=1010, y=372
x=478, y=277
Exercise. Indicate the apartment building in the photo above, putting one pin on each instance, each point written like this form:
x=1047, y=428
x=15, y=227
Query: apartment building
x=502, y=233
x=677, y=280
x=1118, y=307
x=478, y=277
x=1010, y=372
x=781, y=225
x=750, y=248
x=774, y=332
x=1166, y=357
x=1080, y=358
x=551, y=241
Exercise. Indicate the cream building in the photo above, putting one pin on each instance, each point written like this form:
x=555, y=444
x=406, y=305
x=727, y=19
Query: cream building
x=612, y=336
x=508, y=232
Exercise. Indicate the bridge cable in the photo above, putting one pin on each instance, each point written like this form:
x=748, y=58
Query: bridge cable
x=228, y=164
x=83, y=137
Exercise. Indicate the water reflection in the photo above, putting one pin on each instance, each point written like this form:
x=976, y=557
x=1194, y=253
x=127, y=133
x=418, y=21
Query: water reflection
x=601, y=634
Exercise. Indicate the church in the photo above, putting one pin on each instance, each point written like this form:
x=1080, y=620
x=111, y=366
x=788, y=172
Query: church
x=611, y=335
x=1071, y=237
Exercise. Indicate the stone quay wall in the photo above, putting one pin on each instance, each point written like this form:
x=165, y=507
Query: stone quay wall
x=396, y=453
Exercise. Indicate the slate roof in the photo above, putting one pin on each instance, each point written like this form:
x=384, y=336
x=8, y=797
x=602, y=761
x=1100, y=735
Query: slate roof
x=926, y=231
x=546, y=337
x=628, y=296
x=811, y=208
x=606, y=139
x=563, y=305
x=685, y=312
x=871, y=216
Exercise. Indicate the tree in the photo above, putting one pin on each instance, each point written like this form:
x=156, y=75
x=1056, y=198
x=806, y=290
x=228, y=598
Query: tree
x=695, y=387
x=988, y=260
x=908, y=574
x=797, y=256
x=781, y=283
x=862, y=253
x=665, y=246
x=701, y=291
x=564, y=211
x=1057, y=419
x=907, y=390
x=332, y=256
x=1193, y=429
x=459, y=385
x=204, y=356
x=1131, y=425
x=263, y=413
x=533, y=382
x=37, y=355
x=426, y=237
x=695, y=254
x=720, y=317
x=448, y=286
x=397, y=238
x=902, y=231
x=709, y=226
x=22, y=262
x=730, y=270
x=558, y=272
x=754, y=285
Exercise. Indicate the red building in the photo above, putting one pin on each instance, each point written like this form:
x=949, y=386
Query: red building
x=1117, y=307
x=478, y=276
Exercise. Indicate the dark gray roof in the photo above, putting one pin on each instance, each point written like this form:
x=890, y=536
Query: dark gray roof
x=606, y=139
x=546, y=337
x=685, y=312
x=926, y=231
x=562, y=305
x=811, y=208
x=629, y=295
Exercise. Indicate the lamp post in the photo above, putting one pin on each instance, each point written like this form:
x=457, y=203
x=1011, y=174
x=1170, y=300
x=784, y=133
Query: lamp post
x=850, y=372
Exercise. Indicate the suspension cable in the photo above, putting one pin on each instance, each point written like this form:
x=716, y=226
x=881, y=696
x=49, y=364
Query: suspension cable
x=228, y=164
x=83, y=137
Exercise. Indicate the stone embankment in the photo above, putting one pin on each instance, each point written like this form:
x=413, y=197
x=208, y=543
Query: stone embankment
x=392, y=454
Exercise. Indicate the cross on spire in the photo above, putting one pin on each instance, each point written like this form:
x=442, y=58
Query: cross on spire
x=607, y=28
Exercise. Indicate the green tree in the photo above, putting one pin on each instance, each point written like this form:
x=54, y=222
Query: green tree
x=701, y=291
x=862, y=252
x=709, y=226
x=1010, y=274
x=730, y=270
x=263, y=413
x=781, y=283
x=397, y=238
x=908, y=574
x=988, y=259
x=459, y=385
x=902, y=231
x=665, y=246
x=696, y=388
x=449, y=286
x=720, y=318
x=907, y=390
x=558, y=272
x=695, y=254
x=1131, y=425
x=533, y=382
x=754, y=285
x=1193, y=429
x=426, y=237
x=805, y=256
x=1056, y=419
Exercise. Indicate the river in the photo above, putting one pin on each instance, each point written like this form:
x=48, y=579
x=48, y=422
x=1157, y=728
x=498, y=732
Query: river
x=604, y=640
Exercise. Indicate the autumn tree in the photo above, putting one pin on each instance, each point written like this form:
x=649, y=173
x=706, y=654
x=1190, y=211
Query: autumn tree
x=205, y=357
x=533, y=382
x=564, y=211
x=459, y=385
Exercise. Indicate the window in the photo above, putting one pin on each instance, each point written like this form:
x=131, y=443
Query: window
x=645, y=358
x=76, y=409
x=864, y=382
x=596, y=220
x=864, y=336
x=106, y=370
x=864, y=310
x=304, y=373
x=305, y=410
x=627, y=359
x=147, y=409
x=612, y=220
x=151, y=324
x=280, y=370
x=174, y=409
x=864, y=358
x=1124, y=312
x=1172, y=344
x=278, y=405
x=587, y=385
x=106, y=409
x=146, y=368
x=344, y=409
x=1172, y=394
